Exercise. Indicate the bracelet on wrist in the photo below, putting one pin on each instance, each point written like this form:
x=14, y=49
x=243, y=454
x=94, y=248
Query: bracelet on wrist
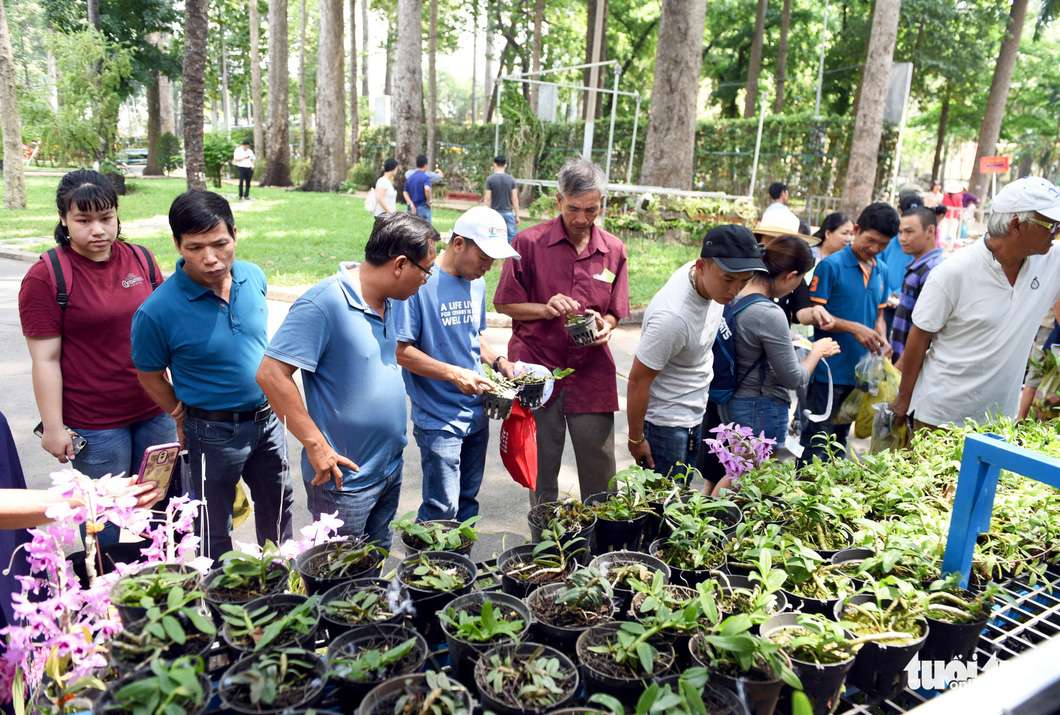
x=497, y=363
x=636, y=441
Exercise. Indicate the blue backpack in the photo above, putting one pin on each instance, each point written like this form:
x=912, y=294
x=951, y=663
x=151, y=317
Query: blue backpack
x=725, y=384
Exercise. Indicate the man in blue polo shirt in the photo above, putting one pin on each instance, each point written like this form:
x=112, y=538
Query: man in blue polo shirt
x=341, y=335
x=418, y=190
x=851, y=284
x=207, y=325
x=441, y=348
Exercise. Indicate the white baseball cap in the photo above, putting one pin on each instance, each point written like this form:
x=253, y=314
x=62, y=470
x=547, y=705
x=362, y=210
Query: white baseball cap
x=1031, y=193
x=487, y=229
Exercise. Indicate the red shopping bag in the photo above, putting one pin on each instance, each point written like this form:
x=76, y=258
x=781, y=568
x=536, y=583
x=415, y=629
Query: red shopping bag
x=519, y=446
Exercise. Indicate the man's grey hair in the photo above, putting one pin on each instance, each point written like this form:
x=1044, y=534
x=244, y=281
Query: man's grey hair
x=580, y=176
x=998, y=223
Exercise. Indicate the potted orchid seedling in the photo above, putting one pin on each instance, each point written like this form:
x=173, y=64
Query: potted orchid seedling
x=740, y=452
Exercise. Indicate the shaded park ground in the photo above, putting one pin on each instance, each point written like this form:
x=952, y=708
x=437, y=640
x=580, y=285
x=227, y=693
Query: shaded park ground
x=296, y=237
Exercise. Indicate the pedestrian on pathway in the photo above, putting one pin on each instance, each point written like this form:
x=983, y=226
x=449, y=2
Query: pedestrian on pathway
x=441, y=347
x=341, y=334
x=79, y=336
x=502, y=195
x=417, y=190
x=385, y=193
x=569, y=266
x=207, y=325
x=244, y=160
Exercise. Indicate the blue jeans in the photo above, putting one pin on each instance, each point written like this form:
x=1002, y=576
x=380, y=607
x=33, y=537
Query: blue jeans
x=423, y=212
x=253, y=450
x=363, y=510
x=673, y=449
x=815, y=435
x=762, y=414
x=120, y=450
x=452, y=472
x=509, y=221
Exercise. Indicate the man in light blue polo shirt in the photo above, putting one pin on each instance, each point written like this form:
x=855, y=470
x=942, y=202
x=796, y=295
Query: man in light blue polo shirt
x=207, y=325
x=441, y=347
x=851, y=284
x=341, y=335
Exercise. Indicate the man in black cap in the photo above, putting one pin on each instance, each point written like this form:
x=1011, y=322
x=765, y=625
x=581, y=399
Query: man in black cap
x=673, y=366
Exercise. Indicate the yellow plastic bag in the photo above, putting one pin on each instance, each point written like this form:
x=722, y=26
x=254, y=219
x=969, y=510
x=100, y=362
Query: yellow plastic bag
x=851, y=407
x=887, y=433
x=886, y=391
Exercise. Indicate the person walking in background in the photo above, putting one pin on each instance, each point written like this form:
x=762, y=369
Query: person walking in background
x=502, y=195
x=919, y=241
x=569, y=265
x=244, y=158
x=778, y=192
x=79, y=336
x=417, y=190
x=385, y=193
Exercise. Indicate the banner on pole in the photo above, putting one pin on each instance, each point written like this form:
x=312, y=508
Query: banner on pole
x=993, y=164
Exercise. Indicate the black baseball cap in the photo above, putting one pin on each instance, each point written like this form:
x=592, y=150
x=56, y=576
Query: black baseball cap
x=734, y=248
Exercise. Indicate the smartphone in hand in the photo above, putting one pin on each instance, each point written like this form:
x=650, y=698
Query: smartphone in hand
x=158, y=465
x=78, y=441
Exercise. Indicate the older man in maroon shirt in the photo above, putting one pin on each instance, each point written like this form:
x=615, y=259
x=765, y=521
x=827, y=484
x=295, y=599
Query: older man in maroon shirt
x=569, y=266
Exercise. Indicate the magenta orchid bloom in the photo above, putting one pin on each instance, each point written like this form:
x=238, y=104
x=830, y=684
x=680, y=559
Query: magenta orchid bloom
x=739, y=450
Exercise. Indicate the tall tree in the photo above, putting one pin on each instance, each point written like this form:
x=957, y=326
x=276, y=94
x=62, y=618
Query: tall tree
x=355, y=111
x=303, y=126
x=364, y=47
x=408, y=82
x=93, y=14
x=226, y=108
x=255, y=78
x=995, y=103
x=754, y=66
x=328, y=168
x=596, y=26
x=535, y=50
x=670, y=143
x=782, y=57
x=432, y=85
x=277, y=151
x=14, y=173
x=196, y=27
x=153, y=167
x=868, y=124
x=474, y=63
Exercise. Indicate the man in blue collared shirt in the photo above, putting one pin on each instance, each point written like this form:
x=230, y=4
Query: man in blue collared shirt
x=850, y=284
x=341, y=335
x=207, y=326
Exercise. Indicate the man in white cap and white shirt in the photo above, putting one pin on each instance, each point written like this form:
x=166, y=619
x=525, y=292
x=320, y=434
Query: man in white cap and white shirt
x=976, y=318
x=442, y=349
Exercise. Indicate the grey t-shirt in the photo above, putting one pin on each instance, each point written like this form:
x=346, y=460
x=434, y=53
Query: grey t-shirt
x=763, y=327
x=676, y=339
x=500, y=187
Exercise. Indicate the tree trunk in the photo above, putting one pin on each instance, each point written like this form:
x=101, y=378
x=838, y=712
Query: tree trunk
x=277, y=149
x=255, y=79
x=535, y=56
x=93, y=14
x=868, y=125
x=408, y=84
x=355, y=110
x=782, y=57
x=14, y=172
x=594, y=76
x=196, y=27
x=328, y=169
x=432, y=86
x=302, y=113
x=487, y=78
x=754, y=64
x=364, y=48
x=944, y=117
x=995, y=104
x=391, y=54
x=474, y=63
x=166, y=110
x=669, y=148
x=226, y=103
x=154, y=128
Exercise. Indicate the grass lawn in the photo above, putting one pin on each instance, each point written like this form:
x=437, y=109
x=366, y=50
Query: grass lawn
x=298, y=238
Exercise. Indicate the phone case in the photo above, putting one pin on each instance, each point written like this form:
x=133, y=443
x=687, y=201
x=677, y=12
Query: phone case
x=159, y=462
x=78, y=441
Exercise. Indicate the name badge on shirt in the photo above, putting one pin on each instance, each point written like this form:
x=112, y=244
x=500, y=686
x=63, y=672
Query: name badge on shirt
x=606, y=276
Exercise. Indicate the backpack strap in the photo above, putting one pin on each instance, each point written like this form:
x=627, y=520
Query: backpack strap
x=143, y=256
x=61, y=272
x=760, y=362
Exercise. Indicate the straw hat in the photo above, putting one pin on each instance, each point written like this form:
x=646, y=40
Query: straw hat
x=783, y=223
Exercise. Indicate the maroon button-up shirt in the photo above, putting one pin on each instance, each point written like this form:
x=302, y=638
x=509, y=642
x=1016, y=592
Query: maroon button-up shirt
x=597, y=279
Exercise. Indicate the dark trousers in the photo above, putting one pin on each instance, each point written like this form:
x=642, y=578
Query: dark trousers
x=816, y=435
x=246, y=175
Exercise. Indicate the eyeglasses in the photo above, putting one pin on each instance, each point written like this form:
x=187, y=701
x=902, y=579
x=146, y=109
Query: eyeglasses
x=427, y=273
x=1050, y=226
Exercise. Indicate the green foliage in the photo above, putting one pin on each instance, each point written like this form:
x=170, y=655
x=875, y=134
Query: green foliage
x=148, y=589
x=367, y=606
x=170, y=621
x=436, y=536
x=217, y=149
x=441, y=696
x=242, y=571
x=271, y=623
x=537, y=681
x=271, y=673
x=422, y=571
x=359, y=177
x=170, y=154
x=170, y=688
x=489, y=624
x=367, y=665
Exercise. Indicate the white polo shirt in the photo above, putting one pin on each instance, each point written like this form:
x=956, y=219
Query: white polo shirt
x=984, y=329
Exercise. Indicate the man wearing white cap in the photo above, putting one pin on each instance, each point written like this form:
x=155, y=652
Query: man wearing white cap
x=441, y=347
x=976, y=318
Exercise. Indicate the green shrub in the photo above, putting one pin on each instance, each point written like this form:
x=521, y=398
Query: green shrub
x=361, y=175
x=299, y=171
x=170, y=155
x=217, y=148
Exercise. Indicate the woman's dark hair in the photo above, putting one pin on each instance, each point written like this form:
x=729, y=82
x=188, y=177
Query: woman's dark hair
x=832, y=222
x=911, y=201
x=399, y=234
x=388, y=165
x=197, y=212
x=785, y=254
x=87, y=190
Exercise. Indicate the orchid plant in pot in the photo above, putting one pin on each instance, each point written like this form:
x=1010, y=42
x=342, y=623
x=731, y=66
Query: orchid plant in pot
x=739, y=451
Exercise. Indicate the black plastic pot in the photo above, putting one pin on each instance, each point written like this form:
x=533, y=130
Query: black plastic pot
x=538, y=518
x=464, y=654
x=122, y=552
x=727, y=520
x=313, y=561
x=759, y=695
x=392, y=590
x=498, y=407
x=805, y=604
x=215, y=596
x=131, y=614
x=655, y=526
x=492, y=702
x=678, y=639
x=364, y=638
x=610, y=535
x=412, y=549
x=879, y=670
x=282, y=604
x=678, y=575
x=381, y=700
x=623, y=596
x=522, y=554
x=196, y=644
x=948, y=641
x=234, y=698
x=827, y=554
x=732, y=581
x=562, y=638
x=627, y=689
x=427, y=602
x=582, y=329
x=107, y=703
x=822, y=683
x=531, y=394
x=846, y=556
